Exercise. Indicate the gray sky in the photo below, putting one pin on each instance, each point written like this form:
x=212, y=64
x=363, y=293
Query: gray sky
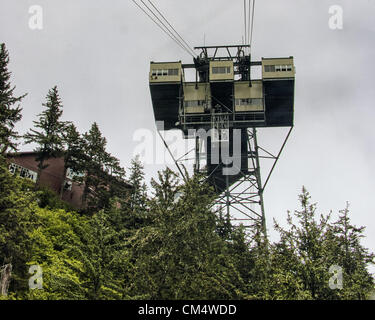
x=98, y=54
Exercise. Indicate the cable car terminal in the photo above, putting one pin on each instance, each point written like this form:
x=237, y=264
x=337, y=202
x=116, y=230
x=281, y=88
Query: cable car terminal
x=225, y=100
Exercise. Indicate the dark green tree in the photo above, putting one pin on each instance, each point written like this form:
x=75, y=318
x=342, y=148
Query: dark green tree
x=302, y=259
x=104, y=260
x=307, y=242
x=104, y=177
x=224, y=226
x=73, y=154
x=347, y=252
x=115, y=177
x=240, y=249
x=95, y=194
x=259, y=274
x=55, y=240
x=49, y=138
x=17, y=207
x=179, y=255
x=9, y=113
x=138, y=193
x=133, y=212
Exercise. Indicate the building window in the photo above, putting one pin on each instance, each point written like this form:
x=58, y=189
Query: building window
x=164, y=72
x=221, y=70
x=23, y=172
x=278, y=68
x=173, y=72
x=249, y=102
x=194, y=103
x=269, y=68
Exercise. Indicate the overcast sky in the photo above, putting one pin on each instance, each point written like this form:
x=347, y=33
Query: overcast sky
x=98, y=54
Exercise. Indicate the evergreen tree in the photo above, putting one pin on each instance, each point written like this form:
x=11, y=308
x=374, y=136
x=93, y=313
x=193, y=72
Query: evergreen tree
x=240, y=249
x=138, y=194
x=17, y=206
x=95, y=194
x=224, y=226
x=347, y=252
x=104, y=177
x=49, y=139
x=104, y=260
x=308, y=246
x=115, y=177
x=130, y=212
x=284, y=277
x=133, y=212
x=54, y=241
x=9, y=113
x=302, y=258
x=179, y=255
x=73, y=153
x=259, y=278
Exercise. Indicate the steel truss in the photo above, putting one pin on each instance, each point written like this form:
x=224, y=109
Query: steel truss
x=242, y=201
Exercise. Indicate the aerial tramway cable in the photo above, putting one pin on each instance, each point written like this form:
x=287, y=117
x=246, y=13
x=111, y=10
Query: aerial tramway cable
x=169, y=31
x=252, y=24
x=248, y=21
x=166, y=30
x=245, y=20
x=182, y=39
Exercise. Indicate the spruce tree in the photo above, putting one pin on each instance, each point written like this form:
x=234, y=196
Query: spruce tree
x=115, y=177
x=132, y=213
x=308, y=249
x=179, y=255
x=49, y=138
x=306, y=240
x=73, y=153
x=9, y=113
x=136, y=180
x=17, y=205
x=104, y=259
x=94, y=145
x=347, y=252
x=104, y=177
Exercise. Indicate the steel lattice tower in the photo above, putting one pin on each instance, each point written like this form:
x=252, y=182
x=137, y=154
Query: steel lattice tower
x=225, y=102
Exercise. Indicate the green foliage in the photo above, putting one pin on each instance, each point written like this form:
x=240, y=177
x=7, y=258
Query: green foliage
x=73, y=153
x=49, y=138
x=347, y=252
x=48, y=198
x=104, y=177
x=308, y=248
x=130, y=212
x=9, y=114
x=54, y=238
x=138, y=193
x=306, y=251
x=104, y=258
x=171, y=245
x=179, y=255
x=17, y=207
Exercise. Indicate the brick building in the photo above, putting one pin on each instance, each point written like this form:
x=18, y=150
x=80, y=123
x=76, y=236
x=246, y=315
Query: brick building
x=26, y=166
